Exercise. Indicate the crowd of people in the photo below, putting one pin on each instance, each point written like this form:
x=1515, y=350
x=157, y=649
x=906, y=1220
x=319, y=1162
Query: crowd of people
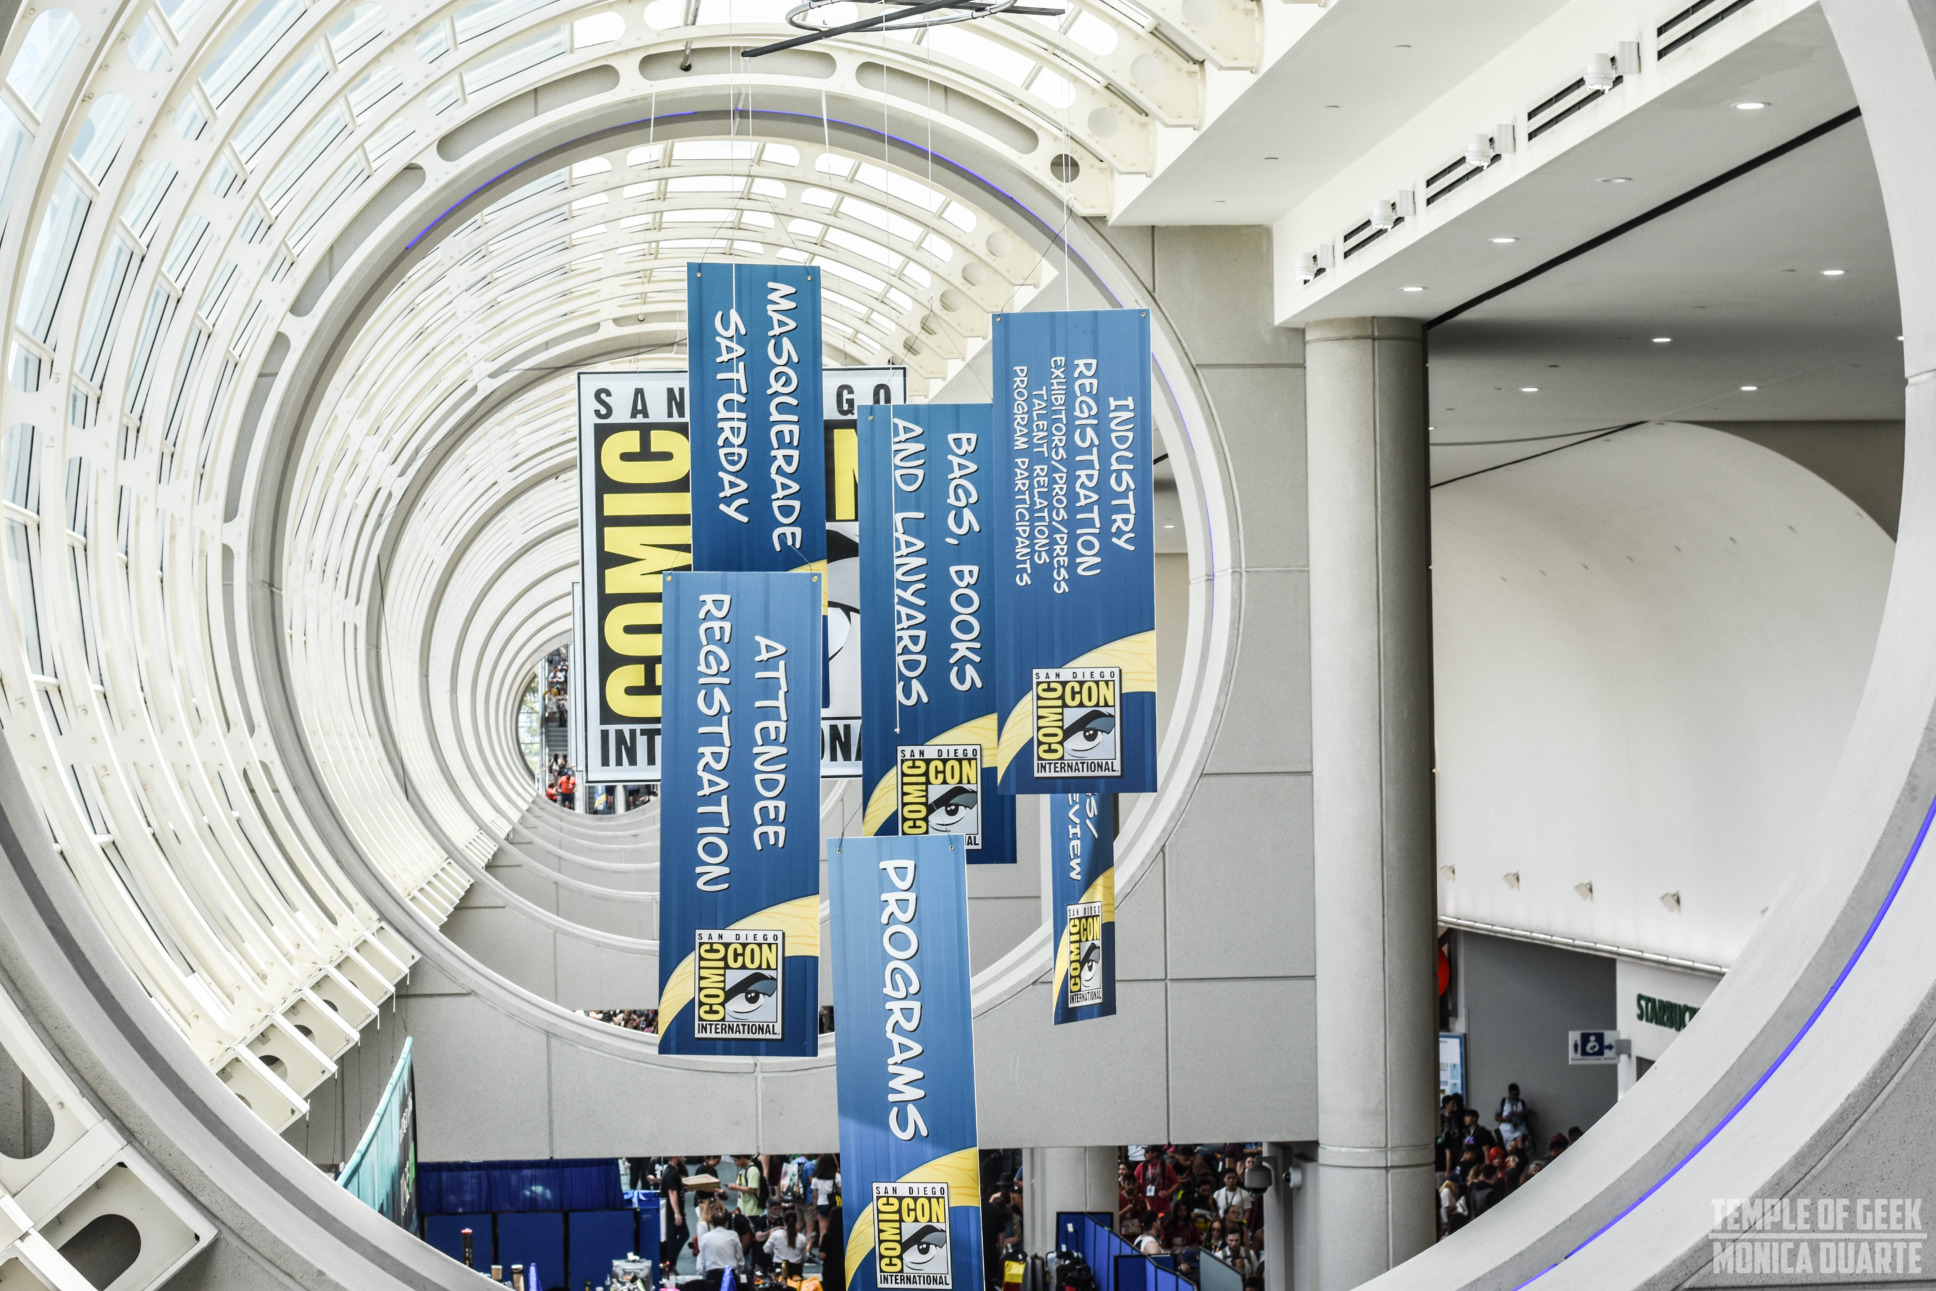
x=561, y=786
x=1184, y=1201
x=767, y=1218
x=646, y=1020
x=1479, y=1165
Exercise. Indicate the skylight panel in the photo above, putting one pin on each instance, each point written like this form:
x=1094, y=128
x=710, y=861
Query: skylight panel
x=982, y=53
x=475, y=20
x=101, y=134
x=356, y=29
x=372, y=88
x=713, y=150
x=280, y=103
x=519, y=57
x=42, y=57
x=250, y=44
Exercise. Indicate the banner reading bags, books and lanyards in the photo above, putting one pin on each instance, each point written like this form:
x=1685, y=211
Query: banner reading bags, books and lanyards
x=759, y=481
x=927, y=493
x=634, y=525
x=847, y=391
x=1082, y=849
x=739, y=824
x=905, y=1064
x=1075, y=614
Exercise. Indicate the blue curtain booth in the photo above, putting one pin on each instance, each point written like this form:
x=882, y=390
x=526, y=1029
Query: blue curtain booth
x=569, y=1218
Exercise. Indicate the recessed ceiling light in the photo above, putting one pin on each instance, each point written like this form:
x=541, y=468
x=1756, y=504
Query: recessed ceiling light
x=1749, y=106
x=1750, y=388
x=1503, y=241
x=1662, y=340
x=1529, y=389
x=1616, y=179
x=1833, y=273
x=1411, y=289
x=1171, y=526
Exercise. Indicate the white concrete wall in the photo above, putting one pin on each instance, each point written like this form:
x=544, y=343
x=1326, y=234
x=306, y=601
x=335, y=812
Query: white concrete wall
x=1649, y=652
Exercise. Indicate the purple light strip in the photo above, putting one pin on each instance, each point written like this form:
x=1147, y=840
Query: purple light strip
x=1915, y=849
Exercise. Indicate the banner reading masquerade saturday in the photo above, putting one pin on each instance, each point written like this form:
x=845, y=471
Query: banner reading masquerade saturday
x=634, y=524
x=759, y=483
x=905, y=1064
x=739, y=832
x=1082, y=848
x=927, y=499
x=847, y=391
x=1075, y=616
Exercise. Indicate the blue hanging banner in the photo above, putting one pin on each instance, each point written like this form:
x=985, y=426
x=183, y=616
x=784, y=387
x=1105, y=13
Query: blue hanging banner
x=847, y=391
x=1082, y=850
x=759, y=499
x=739, y=824
x=905, y=1065
x=927, y=492
x=1075, y=614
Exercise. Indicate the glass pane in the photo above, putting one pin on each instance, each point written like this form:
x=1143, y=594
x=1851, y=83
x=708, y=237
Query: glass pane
x=104, y=310
x=245, y=49
x=20, y=571
x=17, y=468
x=147, y=47
x=53, y=255
x=356, y=29
x=473, y=20
x=101, y=135
x=280, y=103
x=42, y=56
x=157, y=177
x=15, y=138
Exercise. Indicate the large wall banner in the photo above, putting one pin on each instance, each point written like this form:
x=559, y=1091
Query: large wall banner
x=1082, y=850
x=847, y=391
x=928, y=494
x=739, y=824
x=905, y=1064
x=759, y=482
x=1075, y=618
x=634, y=524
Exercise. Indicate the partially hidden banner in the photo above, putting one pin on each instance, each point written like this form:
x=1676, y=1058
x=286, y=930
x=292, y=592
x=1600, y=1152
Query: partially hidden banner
x=846, y=391
x=1082, y=850
x=905, y=1064
x=1075, y=616
x=382, y=1172
x=634, y=525
x=759, y=479
x=928, y=491
x=739, y=842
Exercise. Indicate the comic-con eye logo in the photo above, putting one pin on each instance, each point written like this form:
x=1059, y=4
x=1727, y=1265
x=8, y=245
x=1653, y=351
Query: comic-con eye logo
x=1078, y=722
x=738, y=984
x=941, y=790
x=1085, y=953
x=911, y=1236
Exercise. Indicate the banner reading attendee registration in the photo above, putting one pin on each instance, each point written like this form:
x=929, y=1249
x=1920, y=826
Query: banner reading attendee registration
x=634, y=525
x=759, y=471
x=905, y=1064
x=928, y=489
x=847, y=391
x=739, y=833
x=1075, y=614
x=1082, y=852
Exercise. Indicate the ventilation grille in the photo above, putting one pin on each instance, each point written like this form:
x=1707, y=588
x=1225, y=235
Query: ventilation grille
x=1691, y=22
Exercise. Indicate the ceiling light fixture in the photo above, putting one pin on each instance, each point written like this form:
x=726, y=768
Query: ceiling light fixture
x=1663, y=340
x=901, y=15
x=1833, y=273
x=1411, y=289
x=1616, y=179
x=1503, y=241
x=1749, y=106
x=1749, y=389
x=1529, y=389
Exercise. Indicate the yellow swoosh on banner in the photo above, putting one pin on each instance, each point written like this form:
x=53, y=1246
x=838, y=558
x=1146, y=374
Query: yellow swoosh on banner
x=1103, y=890
x=881, y=804
x=799, y=919
x=961, y=1171
x=1135, y=655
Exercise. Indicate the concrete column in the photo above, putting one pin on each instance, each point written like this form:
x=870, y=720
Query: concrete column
x=1372, y=758
x=1058, y=1179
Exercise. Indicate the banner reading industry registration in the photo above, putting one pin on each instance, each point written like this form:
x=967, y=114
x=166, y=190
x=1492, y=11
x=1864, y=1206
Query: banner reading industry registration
x=1082, y=848
x=928, y=491
x=739, y=831
x=634, y=524
x=1075, y=613
x=905, y=1064
x=759, y=482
